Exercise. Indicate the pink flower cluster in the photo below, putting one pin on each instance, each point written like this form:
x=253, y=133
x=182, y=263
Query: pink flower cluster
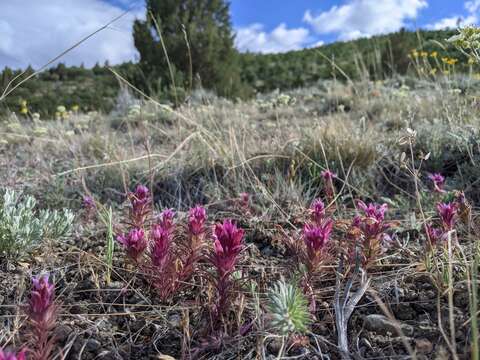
x=42, y=314
x=4, y=355
x=196, y=220
x=134, y=242
x=317, y=210
x=448, y=213
x=167, y=253
x=438, y=182
x=372, y=222
x=161, y=238
x=227, y=246
x=41, y=306
x=228, y=243
x=140, y=205
x=328, y=177
x=368, y=233
x=315, y=237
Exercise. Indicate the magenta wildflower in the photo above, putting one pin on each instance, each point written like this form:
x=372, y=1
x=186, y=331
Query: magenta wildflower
x=88, y=203
x=42, y=313
x=317, y=209
x=372, y=224
x=245, y=199
x=166, y=219
x=228, y=243
x=438, y=182
x=448, y=214
x=316, y=238
x=134, y=242
x=368, y=233
x=4, y=355
x=357, y=221
x=140, y=201
x=328, y=175
x=433, y=234
x=196, y=220
x=41, y=304
x=374, y=211
x=161, y=239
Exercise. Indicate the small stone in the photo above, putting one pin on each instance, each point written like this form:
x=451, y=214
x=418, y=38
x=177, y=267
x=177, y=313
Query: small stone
x=275, y=345
x=175, y=321
x=62, y=332
x=404, y=311
x=382, y=325
x=423, y=346
x=92, y=345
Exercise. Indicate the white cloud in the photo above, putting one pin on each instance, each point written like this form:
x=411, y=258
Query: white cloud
x=472, y=6
x=316, y=44
x=35, y=31
x=254, y=38
x=452, y=22
x=363, y=18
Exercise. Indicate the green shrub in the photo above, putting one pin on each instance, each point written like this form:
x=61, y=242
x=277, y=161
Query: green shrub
x=22, y=228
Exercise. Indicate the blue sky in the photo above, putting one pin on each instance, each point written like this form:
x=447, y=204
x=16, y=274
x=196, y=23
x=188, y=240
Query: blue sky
x=34, y=31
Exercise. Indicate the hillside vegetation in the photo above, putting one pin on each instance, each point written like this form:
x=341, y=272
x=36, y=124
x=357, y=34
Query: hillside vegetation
x=377, y=58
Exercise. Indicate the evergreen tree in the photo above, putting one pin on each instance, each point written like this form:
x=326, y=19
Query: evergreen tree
x=200, y=29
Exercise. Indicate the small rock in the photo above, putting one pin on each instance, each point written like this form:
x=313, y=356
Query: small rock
x=62, y=333
x=116, y=285
x=274, y=346
x=382, y=325
x=404, y=311
x=92, y=345
x=175, y=321
x=423, y=346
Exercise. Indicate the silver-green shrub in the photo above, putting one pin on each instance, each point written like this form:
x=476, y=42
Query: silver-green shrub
x=288, y=308
x=22, y=228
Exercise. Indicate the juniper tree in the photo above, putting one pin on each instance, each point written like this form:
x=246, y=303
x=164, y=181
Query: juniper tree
x=201, y=29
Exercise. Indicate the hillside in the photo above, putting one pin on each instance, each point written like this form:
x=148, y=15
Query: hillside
x=376, y=58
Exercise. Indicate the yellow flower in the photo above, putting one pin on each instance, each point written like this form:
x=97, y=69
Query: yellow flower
x=75, y=108
x=24, y=111
x=23, y=103
x=415, y=53
x=445, y=60
x=452, y=61
x=434, y=54
x=433, y=71
x=471, y=61
x=424, y=54
x=61, y=109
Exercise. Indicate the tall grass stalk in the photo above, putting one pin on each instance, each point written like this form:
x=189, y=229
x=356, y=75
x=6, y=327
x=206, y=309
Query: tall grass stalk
x=107, y=219
x=474, y=305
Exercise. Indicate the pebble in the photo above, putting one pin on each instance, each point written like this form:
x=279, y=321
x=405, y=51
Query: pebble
x=92, y=345
x=383, y=325
x=423, y=346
